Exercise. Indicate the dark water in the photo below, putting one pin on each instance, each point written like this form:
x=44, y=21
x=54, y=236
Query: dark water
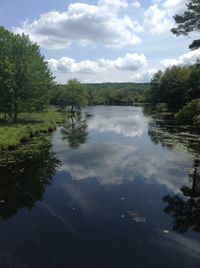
x=103, y=193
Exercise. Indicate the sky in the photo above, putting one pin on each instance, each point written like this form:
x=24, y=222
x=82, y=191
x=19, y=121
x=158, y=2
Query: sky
x=102, y=40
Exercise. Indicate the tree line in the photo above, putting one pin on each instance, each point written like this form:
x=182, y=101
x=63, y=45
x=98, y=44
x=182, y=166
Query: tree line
x=178, y=87
x=98, y=94
x=177, y=90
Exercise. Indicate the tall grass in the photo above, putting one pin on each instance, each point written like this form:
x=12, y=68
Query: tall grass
x=27, y=126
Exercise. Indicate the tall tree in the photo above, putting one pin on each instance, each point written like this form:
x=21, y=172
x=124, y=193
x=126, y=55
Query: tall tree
x=189, y=22
x=25, y=80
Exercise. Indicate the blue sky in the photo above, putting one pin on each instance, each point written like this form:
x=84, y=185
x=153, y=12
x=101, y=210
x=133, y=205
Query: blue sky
x=103, y=40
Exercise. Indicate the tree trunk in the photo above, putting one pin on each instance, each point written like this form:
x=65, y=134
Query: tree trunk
x=15, y=111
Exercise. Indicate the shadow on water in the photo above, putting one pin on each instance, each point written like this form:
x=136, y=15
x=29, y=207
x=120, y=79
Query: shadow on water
x=185, y=209
x=24, y=175
x=75, y=130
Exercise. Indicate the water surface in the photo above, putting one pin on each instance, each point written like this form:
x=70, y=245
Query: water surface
x=101, y=193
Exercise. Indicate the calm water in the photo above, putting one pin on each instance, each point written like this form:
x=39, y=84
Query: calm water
x=103, y=193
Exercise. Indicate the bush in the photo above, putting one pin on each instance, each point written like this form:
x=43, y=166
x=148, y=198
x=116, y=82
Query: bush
x=190, y=114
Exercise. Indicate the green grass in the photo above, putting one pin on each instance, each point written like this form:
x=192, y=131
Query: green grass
x=27, y=126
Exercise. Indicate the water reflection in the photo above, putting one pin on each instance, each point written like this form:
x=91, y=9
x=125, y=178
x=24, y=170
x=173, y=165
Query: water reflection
x=186, y=209
x=113, y=159
x=24, y=175
x=75, y=130
x=105, y=205
x=129, y=122
x=167, y=134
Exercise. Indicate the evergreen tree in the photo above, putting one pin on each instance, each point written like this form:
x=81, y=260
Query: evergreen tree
x=189, y=22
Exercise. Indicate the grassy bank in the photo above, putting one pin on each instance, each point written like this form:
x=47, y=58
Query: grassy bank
x=26, y=127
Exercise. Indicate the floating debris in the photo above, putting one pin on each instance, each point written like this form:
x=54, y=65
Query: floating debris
x=122, y=216
x=122, y=198
x=166, y=231
x=2, y=201
x=136, y=217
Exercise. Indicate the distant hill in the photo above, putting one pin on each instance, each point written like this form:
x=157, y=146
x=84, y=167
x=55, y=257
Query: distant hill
x=137, y=87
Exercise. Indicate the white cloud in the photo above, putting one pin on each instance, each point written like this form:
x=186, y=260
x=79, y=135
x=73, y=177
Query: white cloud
x=130, y=62
x=136, y=4
x=175, y=5
x=185, y=59
x=158, y=18
x=143, y=76
x=84, y=24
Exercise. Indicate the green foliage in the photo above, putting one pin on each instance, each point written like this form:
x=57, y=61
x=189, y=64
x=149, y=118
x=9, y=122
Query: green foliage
x=189, y=22
x=73, y=94
x=176, y=86
x=105, y=94
x=136, y=87
x=153, y=95
x=25, y=80
x=190, y=113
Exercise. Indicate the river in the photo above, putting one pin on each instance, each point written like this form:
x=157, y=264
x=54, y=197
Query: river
x=103, y=192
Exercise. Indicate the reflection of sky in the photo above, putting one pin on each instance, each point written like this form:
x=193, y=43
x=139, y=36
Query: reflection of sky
x=129, y=122
x=113, y=158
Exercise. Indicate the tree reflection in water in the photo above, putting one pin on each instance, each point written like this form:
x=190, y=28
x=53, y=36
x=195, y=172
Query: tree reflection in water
x=186, y=209
x=75, y=130
x=24, y=175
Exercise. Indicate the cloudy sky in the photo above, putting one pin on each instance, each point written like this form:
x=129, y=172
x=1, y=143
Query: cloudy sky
x=102, y=40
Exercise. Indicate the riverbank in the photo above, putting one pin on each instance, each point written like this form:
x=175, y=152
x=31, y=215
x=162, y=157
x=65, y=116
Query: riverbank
x=27, y=126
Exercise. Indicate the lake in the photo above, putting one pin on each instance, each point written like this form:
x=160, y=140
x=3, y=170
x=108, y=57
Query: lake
x=104, y=191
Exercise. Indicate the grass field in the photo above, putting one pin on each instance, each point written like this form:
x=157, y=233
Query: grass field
x=27, y=126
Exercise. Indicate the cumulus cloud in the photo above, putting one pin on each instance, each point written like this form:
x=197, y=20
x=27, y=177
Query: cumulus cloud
x=136, y=4
x=143, y=76
x=185, y=59
x=130, y=62
x=158, y=18
x=84, y=24
x=175, y=5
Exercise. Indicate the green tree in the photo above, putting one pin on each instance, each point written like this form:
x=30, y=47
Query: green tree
x=190, y=113
x=25, y=80
x=174, y=85
x=189, y=22
x=193, y=90
x=154, y=93
x=75, y=94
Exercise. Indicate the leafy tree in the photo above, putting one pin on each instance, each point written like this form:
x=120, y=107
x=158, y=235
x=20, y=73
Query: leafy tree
x=189, y=114
x=25, y=80
x=193, y=90
x=154, y=94
x=75, y=94
x=189, y=22
x=174, y=85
